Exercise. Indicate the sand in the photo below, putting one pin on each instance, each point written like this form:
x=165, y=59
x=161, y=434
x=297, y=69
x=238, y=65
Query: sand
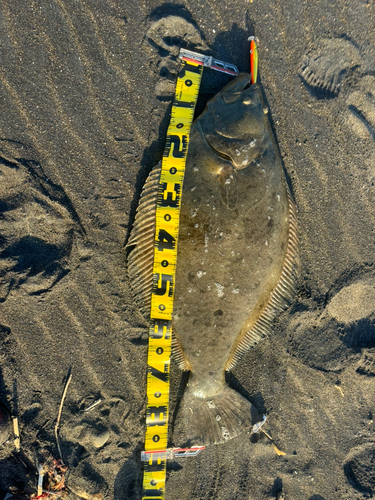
x=85, y=92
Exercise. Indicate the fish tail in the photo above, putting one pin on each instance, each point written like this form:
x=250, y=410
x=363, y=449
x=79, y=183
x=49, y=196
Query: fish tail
x=212, y=420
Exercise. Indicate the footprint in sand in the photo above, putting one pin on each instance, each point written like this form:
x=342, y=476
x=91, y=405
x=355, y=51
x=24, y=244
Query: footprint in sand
x=38, y=225
x=4, y=424
x=99, y=439
x=333, y=67
x=325, y=67
x=327, y=339
x=359, y=468
x=163, y=41
x=361, y=107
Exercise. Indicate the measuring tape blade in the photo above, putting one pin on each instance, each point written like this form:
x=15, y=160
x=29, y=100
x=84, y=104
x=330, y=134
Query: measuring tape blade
x=164, y=272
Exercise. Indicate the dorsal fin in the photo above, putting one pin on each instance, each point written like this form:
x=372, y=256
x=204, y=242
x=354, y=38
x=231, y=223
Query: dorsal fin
x=141, y=257
x=281, y=296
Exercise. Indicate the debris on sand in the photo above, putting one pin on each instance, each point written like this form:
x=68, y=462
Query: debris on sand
x=51, y=481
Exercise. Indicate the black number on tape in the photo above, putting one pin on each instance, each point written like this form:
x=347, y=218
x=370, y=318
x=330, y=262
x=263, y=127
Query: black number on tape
x=150, y=496
x=165, y=241
x=169, y=198
x=189, y=67
x=160, y=415
x=160, y=329
x=184, y=104
x=162, y=289
x=154, y=467
x=163, y=376
x=176, y=152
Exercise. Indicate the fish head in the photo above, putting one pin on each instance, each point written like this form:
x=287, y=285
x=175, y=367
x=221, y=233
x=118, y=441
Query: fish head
x=235, y=124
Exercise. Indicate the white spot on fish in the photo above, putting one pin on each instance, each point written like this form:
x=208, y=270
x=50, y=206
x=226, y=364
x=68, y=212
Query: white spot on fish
x=205, y=242
x=196, y=169
x=252, y=143
x=225, y=433
x=227, y=181
x=199, y=273
x=236, y=290
x=211, y=404
x=218, y=418
x=278, y=197
x=266, y=243
x=208, y=287
x=196, y=225
x=193, y=188
x=220, y=290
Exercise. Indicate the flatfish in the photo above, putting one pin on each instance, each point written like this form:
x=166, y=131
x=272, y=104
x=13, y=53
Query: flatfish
x=237, y=260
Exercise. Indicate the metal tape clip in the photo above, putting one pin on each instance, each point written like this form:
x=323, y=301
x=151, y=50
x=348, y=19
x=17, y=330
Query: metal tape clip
x=258, y=425
x=171, y=453
x=208, y=62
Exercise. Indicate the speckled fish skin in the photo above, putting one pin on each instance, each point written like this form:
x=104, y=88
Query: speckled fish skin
x=237, y=258
x=233, y=232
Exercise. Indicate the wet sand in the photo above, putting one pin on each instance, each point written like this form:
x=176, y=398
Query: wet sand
x=85, y=91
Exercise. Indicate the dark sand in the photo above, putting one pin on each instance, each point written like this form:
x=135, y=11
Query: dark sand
x=85, y=92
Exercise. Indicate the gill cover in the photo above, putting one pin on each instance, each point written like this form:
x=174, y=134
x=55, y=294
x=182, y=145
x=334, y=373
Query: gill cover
x=234, y=122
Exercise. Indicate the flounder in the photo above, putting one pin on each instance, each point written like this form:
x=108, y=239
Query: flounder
x=237, y=259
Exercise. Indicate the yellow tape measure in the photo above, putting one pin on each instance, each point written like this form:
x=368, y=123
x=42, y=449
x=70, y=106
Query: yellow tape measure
x=164, y=271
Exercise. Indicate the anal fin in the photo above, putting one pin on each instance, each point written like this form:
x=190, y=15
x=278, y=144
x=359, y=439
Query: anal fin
x=141, y=244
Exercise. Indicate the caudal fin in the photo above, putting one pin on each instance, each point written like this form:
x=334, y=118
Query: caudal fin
x=203, y=421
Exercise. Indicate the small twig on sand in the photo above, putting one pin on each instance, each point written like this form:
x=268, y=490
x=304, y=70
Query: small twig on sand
x=16, y=432
x=93, y=405
x=59, y=415
x=277, y=451
x=83, y=494
x=40, y=479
